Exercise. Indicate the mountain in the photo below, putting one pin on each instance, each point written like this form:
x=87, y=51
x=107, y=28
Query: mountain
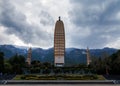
x=10, y=50
x=73, y=56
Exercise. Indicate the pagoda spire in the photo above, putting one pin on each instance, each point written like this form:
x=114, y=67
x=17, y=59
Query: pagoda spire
x=59, y=18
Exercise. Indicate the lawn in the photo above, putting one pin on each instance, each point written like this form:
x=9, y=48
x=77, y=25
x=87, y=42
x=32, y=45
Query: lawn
x=59, y=77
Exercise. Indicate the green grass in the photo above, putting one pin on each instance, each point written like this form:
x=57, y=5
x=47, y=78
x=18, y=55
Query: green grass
x=101, y=77
x=56, y=77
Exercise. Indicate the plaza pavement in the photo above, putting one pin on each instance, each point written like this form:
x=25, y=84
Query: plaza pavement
x=58, y=82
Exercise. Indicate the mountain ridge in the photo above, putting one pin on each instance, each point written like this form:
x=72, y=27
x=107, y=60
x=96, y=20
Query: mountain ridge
x=73, y=55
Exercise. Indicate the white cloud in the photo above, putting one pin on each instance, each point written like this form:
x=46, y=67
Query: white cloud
x=9, y=38
x=114, y=44
x=100, y=18
x=93, y=23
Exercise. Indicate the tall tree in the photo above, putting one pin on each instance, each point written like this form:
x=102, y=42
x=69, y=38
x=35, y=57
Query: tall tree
x=17, y=62
x=1, y=62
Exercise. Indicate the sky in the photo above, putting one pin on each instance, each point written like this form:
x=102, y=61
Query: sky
x=92, y=23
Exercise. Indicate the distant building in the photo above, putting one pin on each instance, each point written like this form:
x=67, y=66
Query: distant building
x=29, y=57
x=88, y=56
x=59, y=44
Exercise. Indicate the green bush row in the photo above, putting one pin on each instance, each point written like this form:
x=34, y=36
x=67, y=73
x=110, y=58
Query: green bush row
x=55, y=77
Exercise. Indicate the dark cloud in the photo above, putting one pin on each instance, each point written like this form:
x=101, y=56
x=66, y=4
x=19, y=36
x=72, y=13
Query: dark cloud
x=95, y=13
x=100, y=17
x=46, y=19
x=16, y=24
x=93, y=23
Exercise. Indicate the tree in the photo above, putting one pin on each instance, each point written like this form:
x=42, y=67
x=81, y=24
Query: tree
x=107, y=64
x=115, y=63
x=1, y=62
x=98, y=64
x=8, y=67
x=36, y=63
x=47, y=65
x=17, y=62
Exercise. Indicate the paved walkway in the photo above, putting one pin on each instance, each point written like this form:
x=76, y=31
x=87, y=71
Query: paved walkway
x=62, y=85
x=56, y=82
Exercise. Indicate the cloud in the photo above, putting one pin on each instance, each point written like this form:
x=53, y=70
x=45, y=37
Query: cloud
x=93, y=23
x=16, y=23
x=46, y=19
x=99, y=16
x=95, y=12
